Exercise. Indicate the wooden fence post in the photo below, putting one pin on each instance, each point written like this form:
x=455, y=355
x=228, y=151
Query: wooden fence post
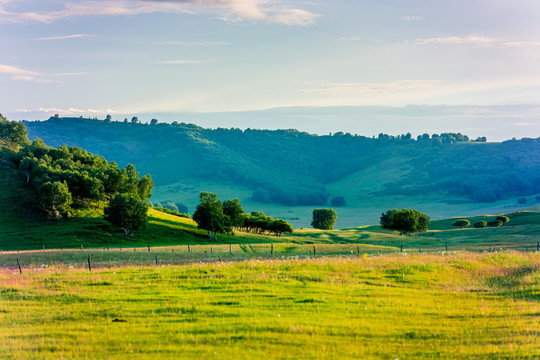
x=156, y=260
x=446, y=246
x=538, y=246
x=271, y=248
x=82, y=247
x=230, y=249
x=43, y=248
x=89, y=265
x=401, y=247
x=358, y=250
x=19, y=265
x=188, y=249
x=148, y=247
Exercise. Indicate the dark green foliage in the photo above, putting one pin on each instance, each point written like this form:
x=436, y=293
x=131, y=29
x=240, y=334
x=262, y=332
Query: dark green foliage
x=338, y=201
x=405, y=220
x=480, y=224
x=128, y=212
x=54, y=198
x=495, y=223
x=233, y=209
x=387, y=219
x=259, y=223
x=209, y=214
x=461, y=223
x=12, y=133
x=324, y=219
x=89, y=178
x=503, y=219
x=522, y=200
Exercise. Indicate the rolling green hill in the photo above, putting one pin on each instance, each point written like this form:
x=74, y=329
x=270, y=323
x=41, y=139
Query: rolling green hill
x=286, y=173
x=20, y=230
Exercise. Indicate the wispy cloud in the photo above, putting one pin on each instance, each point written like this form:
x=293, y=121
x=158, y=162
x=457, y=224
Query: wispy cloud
x=457, y=40
x=67, y=112
x=481, y=41
x=21, y=74
x=182, y=62
x=61, y=37
x=362, y=88
x=234, y=10
x=413, y=18
x=15, y=71
x=194, y=43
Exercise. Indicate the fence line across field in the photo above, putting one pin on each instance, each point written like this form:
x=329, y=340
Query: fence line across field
x=185, y=254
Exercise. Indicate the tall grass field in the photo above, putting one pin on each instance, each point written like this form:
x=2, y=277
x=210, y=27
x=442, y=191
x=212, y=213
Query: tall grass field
x=449, y=305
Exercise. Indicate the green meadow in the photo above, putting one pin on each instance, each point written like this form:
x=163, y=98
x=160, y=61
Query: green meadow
x=86, y=291
x=403, y=306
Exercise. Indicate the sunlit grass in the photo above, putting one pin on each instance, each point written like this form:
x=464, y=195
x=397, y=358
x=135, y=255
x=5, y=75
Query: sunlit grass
x=401, y=306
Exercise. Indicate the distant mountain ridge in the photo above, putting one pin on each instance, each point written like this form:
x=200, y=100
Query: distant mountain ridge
x=294, y=168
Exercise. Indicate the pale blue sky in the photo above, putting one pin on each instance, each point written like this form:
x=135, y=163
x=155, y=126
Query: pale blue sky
x=134, y=56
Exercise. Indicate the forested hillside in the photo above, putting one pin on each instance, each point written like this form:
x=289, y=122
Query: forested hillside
x=295, y=168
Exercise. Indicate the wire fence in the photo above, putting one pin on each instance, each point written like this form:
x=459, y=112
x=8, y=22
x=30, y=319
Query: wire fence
x=192, y=253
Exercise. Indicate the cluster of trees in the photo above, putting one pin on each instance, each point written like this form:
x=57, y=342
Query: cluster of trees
x=217, y=217
x=259, y=223
x=499, y=221
x=444, y=138
x=405, y=220
x=70, y=177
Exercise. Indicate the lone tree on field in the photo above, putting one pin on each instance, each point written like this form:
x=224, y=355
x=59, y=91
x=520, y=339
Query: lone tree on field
x=209, y=214
x=405, y=220
x=461, y=223
x=128, y=212
x=324, y=219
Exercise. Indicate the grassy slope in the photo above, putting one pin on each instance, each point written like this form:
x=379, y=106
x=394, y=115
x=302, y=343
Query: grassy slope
x=458, y=306
x=19, y=230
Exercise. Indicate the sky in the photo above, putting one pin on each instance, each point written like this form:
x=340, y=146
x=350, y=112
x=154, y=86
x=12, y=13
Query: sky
x=122, y=57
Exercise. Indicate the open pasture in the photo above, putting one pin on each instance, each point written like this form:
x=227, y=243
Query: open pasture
x=399, y=306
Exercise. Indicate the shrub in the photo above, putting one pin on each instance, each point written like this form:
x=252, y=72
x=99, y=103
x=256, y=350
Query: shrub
x=461, y=223
x=495, y=223
x=503, y=219
x=480, y=224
